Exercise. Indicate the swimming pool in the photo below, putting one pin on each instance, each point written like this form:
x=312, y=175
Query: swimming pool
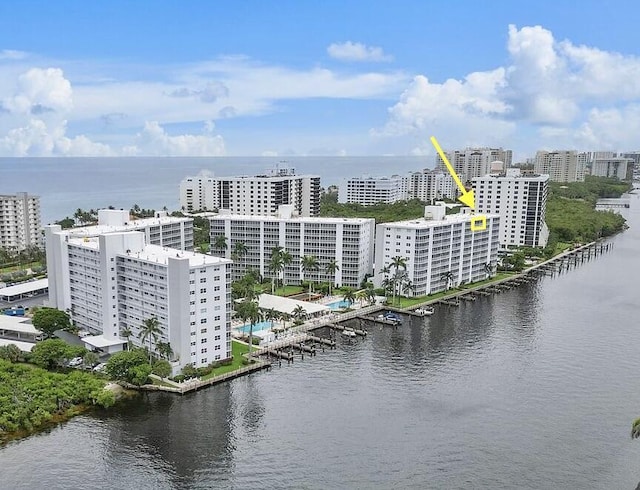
x=339, y=305
x=256, y=327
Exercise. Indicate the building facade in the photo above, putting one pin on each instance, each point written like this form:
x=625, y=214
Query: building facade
x=20, y=225
x=561, y=166
x=616, y=168
x=253, y=195
x=474, y=162
x=368, y=191
x=167, y=231
x=111, y=283
x=520, y=201
x=429, y=185
x=439, y=252
x=347, y=241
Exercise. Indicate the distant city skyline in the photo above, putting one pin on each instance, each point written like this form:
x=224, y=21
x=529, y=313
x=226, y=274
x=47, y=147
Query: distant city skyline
x=306, y=78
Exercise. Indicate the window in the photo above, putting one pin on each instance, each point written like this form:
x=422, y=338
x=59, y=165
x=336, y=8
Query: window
x=203, y=290
x=217, y=337
x=202, y=320
x=217, y=347
x=203, y=330
x=203, y=351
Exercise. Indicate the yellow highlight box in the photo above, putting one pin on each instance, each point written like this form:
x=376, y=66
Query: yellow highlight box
x=479, y=223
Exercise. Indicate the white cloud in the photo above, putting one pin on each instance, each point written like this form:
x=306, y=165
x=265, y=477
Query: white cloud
x=12, y=54
x=350, y=51
x=154, y=140
x=573, y=95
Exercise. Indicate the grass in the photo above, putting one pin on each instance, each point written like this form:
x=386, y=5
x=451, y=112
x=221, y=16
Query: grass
x=288, y=290
x=159, y=382
x=19, y=267
x=237, y=351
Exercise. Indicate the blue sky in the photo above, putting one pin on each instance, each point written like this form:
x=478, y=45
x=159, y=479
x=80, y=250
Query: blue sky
x=306, y=77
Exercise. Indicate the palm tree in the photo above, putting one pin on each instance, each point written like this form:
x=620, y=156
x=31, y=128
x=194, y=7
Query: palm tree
x=370, y=295
x=349, y=296
x=286, y=259
x=397, y=263
x=447, y=276
x=126, y=333
x=488, y=268
x=275, y=266
x=309, y=264
x=332, y=268
x=165, y=350
x=220, y=242
x=270, y=315
x=635, y=429
x=239, y=251
x=249, y=311
x=407, y=286
x=361, y=296
x=150, y=330
x=298, y=313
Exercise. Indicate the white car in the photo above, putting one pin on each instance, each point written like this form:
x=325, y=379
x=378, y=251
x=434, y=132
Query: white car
x=100, y=367
x=76, y=361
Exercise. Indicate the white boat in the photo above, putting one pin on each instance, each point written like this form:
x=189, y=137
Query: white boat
x=425, y=311
x=348, y=333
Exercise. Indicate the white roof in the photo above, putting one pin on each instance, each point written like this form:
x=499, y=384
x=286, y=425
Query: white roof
x=419, y=223
x=25, y=287
x=287, y=305
x=294, y=219
x=100, y=341
x=23, y=346
x=132, y=225
x=17, y=324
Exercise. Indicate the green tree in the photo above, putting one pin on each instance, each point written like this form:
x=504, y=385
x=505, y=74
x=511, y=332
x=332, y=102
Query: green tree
x=53, y=353
x=249, y=311
x=220, y=244
x=275, y=265
x=90, y=359
x=396, y=264
x=298, y=314
x=448, y=277
x=239, y=251
x=11, y=353
x=349, y=296
x=150, y=330
x=286, y=260
x=309, y=264
x=164, y=350
x=48, y=320
x=127, y=333
x=162, y=368
x=332, y=268
x=119, y=364
x=138, y=375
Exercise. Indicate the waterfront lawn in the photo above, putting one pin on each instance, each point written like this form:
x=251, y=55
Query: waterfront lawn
x=20, y=267
x=238, y=349
x=288, y=290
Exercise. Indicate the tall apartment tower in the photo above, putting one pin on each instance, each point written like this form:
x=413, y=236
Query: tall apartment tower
x=439, y=251
x=253, y=195
x=168, y=231
x=430, y=185
x=373, y=190
x=20, y=225
x=561, y=166
x=520, y=201
x=617, y=168
x=347, y=241
x=475, y=162
x=112, y=282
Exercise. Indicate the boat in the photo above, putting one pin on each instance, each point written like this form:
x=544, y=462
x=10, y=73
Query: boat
x=393, y=318
x=348, y=333
x=424, y=311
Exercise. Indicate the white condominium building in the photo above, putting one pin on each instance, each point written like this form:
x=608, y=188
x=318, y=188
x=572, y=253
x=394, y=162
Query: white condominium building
x=111, y=283
x=168, y=231
x=617, y=168
x=439, y=251
x=347, y=241
x=430, y=185
x=474, y=162
x=20, y=225
x=373, y=190
x=561, y=166
x=253, y=195
x=521, y=203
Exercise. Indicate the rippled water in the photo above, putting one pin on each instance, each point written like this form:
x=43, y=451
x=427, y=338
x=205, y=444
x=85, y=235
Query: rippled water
x=533, y=388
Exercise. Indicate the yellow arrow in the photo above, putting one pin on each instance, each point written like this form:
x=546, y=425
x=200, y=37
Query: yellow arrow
x=467, y=197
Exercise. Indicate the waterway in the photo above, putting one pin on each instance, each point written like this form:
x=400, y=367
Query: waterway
x=533, y=388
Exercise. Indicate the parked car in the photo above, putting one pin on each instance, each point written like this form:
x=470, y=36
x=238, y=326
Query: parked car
x=76, y=361
x=100, y=367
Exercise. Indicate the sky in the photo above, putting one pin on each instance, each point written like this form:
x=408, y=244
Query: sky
x=304, y=77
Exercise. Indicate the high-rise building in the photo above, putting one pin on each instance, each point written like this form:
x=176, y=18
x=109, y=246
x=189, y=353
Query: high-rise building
x=373, y=190
x=633, y=155
x=561, y=166
x=111, y=283
x=20, y=225
x=617, y=168
x=520, y=201
x=474, y=162
x=253, y=195
x=168, y=231
x=347, y=241
x=438, y=251
x=429, y=185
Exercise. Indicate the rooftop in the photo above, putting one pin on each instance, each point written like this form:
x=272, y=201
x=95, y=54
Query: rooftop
x=432, y=223
x=132, y=225
x=298, y=219
x=25, y=287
